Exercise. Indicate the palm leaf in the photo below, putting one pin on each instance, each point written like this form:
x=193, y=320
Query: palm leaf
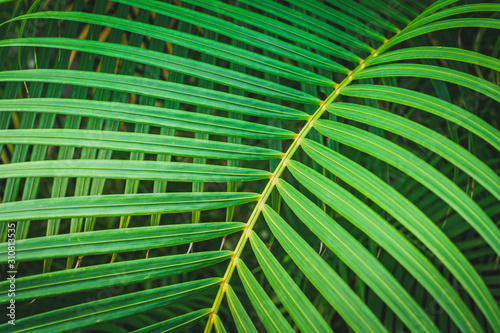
x=102, y=106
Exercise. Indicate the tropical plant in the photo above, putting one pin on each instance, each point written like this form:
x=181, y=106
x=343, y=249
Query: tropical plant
x=331, y=165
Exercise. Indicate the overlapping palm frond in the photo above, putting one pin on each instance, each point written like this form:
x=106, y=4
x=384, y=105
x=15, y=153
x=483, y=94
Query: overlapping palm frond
x=134, y=131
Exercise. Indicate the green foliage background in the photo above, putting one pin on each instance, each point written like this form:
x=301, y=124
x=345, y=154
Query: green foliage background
x=365, y=131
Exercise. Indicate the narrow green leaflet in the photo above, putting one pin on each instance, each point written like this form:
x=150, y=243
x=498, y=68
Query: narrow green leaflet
x=420, y=171
x=177, y=323
x=271, y=317
x=470, y=8
x=124, y=169
x=293, y=299
x=430, y=104
x=357, y=257
x=241, y=319
x=437, y=52
x=219, y=327
x=218, y=49
x=148, y=115
x=146, y=143
x=117, y=240
x=172, y=62
x=430, y=139
x=432, y=72
x=78, y=316
x=322, y=276
x=158, y=89
x=437, y=5
x=412, y=218
x=443, y=25
x=120, y=204
x=108, y=275
x=389, y=238
x=244, y=34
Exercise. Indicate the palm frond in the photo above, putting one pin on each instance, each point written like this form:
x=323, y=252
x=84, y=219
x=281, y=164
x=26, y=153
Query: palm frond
x=133, y=131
